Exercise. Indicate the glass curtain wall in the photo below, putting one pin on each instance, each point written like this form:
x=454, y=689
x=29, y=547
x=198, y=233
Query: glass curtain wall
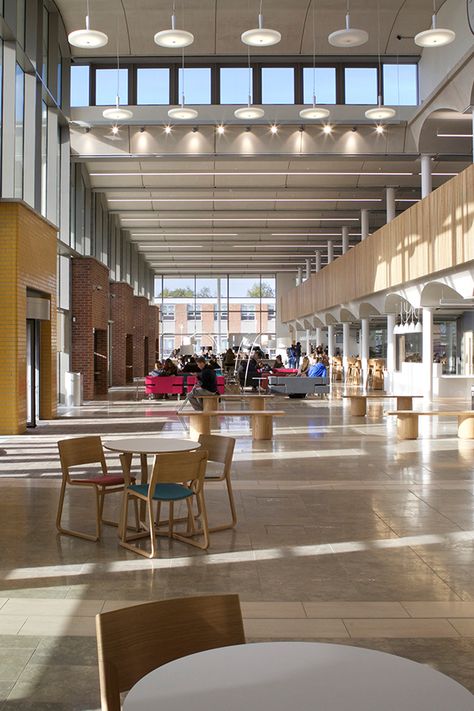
x=19, y=128
x=216, y=312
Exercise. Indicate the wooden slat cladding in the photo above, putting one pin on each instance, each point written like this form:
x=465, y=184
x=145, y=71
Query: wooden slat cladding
x=433, y=235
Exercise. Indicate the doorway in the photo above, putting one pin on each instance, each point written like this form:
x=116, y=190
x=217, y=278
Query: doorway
x=32, y=371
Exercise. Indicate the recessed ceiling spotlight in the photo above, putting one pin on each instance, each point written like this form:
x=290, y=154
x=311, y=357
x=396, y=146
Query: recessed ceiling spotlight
x=220, y=130
x=379, y=129
x=195, y=129
x=142, y=129
x=87, y=38
x=248, y=129
x=260, y=36
x=174, y=38
x=168, y=129
x=115, y=130
x=274, y=129
x=327, y=128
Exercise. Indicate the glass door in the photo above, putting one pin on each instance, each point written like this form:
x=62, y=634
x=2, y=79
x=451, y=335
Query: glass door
x=32, y=371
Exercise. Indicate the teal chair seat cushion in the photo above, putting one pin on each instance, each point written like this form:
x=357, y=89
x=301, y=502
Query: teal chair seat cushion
x=164, y=492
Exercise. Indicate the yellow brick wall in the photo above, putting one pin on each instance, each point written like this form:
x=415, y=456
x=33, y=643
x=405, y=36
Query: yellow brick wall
x=28, y=260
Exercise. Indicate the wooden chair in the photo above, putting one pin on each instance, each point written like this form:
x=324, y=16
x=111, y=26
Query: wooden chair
x=76, y=452
x=174, y=477
x=135, y=640
x=220, y=451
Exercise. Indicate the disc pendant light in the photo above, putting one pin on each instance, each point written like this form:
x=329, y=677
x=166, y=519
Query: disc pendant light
x=379, y=112
x=87, y=38
x=117, y=113
x=174, y=38
x=314, y=112
x=349, y=36
x=260, y=36
x=435, y=36
x=250, y=111
x=182, y=112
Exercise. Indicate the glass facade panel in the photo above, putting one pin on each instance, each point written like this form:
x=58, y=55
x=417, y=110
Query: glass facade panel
x=106, y=86
x=19, y=128
x=278, y=85
x=400, y=84
x=44, y=157
x=80, y=85
x=360, y=85
x=234, y=85
x=44, y=72
x=196, y=86
x=217, y=312
x=153, y=85
x=325, y=84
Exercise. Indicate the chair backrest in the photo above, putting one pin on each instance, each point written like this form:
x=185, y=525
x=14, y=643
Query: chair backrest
x=219, y=449
x=135, y=640
x=178, y=468
x=77, y=451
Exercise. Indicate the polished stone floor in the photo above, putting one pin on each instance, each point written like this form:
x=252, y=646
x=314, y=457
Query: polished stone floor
x=345, y=535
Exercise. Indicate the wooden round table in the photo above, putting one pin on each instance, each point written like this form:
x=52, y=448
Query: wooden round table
x=297, y=676
x=144, y=446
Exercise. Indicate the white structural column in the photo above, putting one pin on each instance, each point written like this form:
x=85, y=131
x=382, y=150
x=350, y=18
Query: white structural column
x=330, y=251
x=364, y=224
x=428, y=352
x=391, y=355
x=390, y=203
x=364, y=347
x=308, y=344
x=299, y=276
x=345, y=346
x=317, y=267
x=318, y=336
x=345, y=239
x=426, y=177
x=330, y=341
x=308, y=268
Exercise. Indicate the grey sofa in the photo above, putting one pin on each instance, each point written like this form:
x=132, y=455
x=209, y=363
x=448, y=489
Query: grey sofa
x=298, y=386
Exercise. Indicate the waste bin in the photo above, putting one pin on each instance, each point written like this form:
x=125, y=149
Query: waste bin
x=73, y=387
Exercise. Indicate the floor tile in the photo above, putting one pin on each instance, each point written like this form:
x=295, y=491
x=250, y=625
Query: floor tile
x=465, y=627
x=294, y=629
x=354, y=609
x=11, y=624
x=60, y=608
x=273, y=610
x=451, y=608
x=46, y=626
x=410, y=628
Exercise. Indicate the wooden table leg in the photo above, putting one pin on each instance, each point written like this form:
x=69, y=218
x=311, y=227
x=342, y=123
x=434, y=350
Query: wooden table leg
x=257, y=403
x=262, y=427
x=199, y=424
x=405, y=403
x=407, y=426
x=466, y=426
x=209, y=404
x=126, y=462
x=358, y=406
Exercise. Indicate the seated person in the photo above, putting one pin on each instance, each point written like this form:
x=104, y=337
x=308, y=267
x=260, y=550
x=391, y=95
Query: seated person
x=248, y=372
x=318, y=370
x=169, y=368
x=157, y=370
x=191, y=366
x=278, y=363
x=206, y=385
x=304, y=367
x=213, y=363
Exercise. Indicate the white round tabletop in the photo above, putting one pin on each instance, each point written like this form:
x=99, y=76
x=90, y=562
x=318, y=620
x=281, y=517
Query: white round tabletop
x=150, y=445
x=296, y=676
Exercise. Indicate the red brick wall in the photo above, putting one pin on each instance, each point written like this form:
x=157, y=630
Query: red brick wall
x=90, y=311
x=122, y=315
x=140, y=331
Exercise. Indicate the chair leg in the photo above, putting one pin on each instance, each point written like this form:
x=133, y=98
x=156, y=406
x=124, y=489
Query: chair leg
x=99, y=505
x=191, y=528
x=171, y=519
x=152, y=528
x=70, y=531
x=204, y=531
